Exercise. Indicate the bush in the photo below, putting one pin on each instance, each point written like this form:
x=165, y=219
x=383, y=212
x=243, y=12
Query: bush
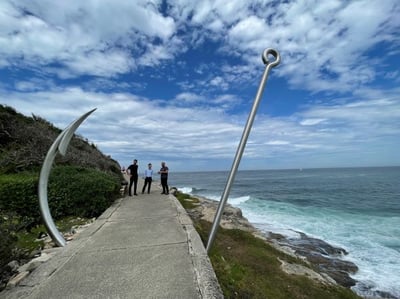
x=18, y=194
x=72, y=190
x=81, y=192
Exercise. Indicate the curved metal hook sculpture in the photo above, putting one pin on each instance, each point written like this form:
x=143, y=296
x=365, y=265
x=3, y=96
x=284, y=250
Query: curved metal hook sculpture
x=60, y=145
x=242, y=144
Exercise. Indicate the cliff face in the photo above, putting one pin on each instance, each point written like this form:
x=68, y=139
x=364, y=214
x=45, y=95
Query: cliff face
x=24, y=142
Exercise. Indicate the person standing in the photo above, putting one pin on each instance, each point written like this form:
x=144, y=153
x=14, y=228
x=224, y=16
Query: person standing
x=164, y=178
x=148, y=178
x=133, y=172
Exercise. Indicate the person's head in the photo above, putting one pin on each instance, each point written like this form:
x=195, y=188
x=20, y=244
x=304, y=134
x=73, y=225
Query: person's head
x=162, y=164
x=149, y=165
x=134, y=161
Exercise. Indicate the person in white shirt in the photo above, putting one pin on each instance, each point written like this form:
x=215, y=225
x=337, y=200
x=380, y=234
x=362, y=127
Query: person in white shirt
x=148, y=178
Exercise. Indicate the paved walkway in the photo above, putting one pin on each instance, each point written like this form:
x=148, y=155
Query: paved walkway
x=142, y=247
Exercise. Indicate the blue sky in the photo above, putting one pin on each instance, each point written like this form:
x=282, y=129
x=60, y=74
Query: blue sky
x=174, y=81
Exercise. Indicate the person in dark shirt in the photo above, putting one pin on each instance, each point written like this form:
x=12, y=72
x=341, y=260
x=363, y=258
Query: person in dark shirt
x=164, y=178
x=133, y=172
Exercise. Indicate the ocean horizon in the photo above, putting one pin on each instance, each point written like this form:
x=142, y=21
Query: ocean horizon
x=357, y=209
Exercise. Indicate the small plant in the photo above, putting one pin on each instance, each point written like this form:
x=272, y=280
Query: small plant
x=187, y=201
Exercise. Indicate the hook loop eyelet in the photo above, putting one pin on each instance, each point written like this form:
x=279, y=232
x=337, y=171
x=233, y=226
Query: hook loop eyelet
x=274, y=53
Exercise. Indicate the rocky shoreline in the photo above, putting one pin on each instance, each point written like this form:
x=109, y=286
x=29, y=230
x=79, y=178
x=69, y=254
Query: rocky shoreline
x=327, y=260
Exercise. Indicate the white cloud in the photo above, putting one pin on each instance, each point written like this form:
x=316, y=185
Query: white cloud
x=104, y=64
x=248, y=31
x=87, y=37
x=125, y=125
x=189, y=97
x=311, y=121
x=322, y=47
x=277, y=142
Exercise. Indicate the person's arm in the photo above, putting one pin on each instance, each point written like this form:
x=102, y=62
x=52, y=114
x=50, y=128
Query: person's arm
x=163, y=171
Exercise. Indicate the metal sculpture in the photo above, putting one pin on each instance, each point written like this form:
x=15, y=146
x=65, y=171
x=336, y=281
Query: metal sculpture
x=60, y=145
x=242, y=144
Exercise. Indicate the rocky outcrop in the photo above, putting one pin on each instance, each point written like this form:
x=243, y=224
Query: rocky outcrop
x=326, y=259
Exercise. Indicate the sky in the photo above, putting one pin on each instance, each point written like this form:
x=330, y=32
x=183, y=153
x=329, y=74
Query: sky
x=175, y=81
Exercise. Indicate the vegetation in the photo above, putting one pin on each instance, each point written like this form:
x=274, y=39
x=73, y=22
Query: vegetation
x=248, y=267
x=186, y=200
x=26, y=140
x=72, y=190
x=82, y=184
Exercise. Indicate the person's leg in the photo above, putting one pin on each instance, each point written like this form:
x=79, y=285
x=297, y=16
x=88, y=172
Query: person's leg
x=163, y=186
x=148, y=188
x=144, y=186
x=130, y=186
x=135, y=186
x=166, y=187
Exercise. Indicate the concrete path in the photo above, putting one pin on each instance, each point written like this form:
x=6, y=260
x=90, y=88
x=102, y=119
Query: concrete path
x=143, y=246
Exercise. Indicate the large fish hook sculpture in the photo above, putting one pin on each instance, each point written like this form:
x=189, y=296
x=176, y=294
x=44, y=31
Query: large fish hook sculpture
x=239, y=152
x=60, y=145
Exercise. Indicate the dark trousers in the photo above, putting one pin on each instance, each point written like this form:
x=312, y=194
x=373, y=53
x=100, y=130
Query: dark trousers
x=147, y=182
x=164, y=184
x=133, y=181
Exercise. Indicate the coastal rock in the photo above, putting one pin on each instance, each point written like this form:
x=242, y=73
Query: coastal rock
x=232, y=218
x=317, y=245
x=34, y=263
x=16, y=280
x=173, y=191
x=13, y=266
x=296, y=269
x=326, y=259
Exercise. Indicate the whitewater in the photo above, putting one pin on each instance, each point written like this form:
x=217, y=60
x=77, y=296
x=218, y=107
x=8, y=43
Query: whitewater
x=357, y=209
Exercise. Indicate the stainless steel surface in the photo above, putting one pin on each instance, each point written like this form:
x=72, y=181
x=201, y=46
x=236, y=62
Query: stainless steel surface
x=242, y=144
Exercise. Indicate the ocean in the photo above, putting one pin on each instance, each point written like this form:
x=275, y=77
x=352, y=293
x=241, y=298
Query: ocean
x=357, y=209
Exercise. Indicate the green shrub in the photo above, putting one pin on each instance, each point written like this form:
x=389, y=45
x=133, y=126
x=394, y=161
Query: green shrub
x=80, y=191
x=18, y=194
x=72, y=190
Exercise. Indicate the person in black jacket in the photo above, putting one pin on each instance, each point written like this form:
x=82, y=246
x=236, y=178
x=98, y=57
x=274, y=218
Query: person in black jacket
x=133, y=172
x=164, y=178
